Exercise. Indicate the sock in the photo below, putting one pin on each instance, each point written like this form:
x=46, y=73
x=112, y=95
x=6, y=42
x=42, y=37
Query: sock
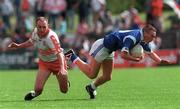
x=74, y=58
x=33, y=93
x=93, y=86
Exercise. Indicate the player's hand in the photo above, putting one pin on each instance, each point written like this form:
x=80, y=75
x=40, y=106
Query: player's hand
x=165, y=62
x=137, y=59
x=62, y=72
x=13, y=45
x=142, y=57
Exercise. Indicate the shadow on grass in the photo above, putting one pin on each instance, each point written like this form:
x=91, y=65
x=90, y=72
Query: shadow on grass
x=77, y=99
x=44, y=100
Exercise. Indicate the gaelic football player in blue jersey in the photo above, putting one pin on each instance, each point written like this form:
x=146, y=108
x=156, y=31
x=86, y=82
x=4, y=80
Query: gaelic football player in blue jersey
x=101, y=54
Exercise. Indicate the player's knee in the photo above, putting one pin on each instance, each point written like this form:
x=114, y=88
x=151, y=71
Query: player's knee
x=64, y=90
x=93, y=76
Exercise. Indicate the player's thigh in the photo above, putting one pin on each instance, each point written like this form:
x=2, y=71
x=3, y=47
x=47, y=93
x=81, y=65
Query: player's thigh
x=107, y=67
x=41, y=78
x=95, y=66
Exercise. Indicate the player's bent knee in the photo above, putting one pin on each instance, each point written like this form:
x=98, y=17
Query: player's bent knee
x=92, y=76
x=64, y=90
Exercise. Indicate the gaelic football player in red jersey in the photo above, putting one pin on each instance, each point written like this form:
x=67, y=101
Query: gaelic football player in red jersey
x=51, y=57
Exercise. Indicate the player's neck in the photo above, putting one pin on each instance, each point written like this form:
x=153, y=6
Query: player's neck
x=145, y=41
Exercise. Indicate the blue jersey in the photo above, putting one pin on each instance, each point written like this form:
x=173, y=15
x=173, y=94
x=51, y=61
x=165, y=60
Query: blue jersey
x=125, y=40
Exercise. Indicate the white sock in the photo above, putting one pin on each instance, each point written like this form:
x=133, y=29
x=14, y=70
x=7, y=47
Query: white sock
x=93, y=86
x=32, y=93
x=75, y=59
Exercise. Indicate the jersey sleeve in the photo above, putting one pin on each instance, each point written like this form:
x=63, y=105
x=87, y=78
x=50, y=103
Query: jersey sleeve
x=146, y=47
x=128, y=42
x=54, y=44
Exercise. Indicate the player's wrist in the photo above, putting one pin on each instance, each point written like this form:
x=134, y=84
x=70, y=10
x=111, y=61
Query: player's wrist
x=74, y=57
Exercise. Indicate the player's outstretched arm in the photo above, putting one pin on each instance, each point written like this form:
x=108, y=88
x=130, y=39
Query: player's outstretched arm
x=14, y=45
x=156, y=58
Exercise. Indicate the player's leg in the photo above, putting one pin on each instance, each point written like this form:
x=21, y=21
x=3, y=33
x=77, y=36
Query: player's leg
x=97, y=53
x=106, y=76
x=63, y=82
x=90, y=69
x=41, y=78
x=107, y=63
x=107, y=73
x=62, y=77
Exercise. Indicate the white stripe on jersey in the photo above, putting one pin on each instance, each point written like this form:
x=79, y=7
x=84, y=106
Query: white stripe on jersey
x=124, y=31
x=131, y=37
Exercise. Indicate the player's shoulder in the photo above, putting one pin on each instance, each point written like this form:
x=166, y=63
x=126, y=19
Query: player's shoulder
x=132, y=32
x=34, y=30
x=34, y=33
x=128, y=31
x=52, y=33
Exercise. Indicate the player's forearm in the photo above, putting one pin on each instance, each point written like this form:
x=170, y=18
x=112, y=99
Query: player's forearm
x=60, y=58
x=155, y=57
x=128, y=57
x=25, y=44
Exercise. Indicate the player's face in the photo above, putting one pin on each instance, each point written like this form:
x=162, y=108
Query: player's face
x=42, y=27
x=149, y=36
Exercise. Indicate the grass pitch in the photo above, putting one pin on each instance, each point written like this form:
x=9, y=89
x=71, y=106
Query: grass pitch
x=148, y=88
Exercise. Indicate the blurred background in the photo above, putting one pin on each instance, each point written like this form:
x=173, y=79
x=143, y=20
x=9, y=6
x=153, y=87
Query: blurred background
x=79, y=23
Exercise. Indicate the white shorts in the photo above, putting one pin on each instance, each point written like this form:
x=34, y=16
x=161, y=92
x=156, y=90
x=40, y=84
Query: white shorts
x=99, y=52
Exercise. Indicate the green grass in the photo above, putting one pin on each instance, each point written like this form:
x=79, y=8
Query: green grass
x=149, y=88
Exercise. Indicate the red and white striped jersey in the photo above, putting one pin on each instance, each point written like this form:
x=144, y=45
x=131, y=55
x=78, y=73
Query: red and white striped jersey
x=48, y=46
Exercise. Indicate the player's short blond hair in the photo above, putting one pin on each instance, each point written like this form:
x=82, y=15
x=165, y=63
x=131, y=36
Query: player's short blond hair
x=41, y=19
x=148, y=28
